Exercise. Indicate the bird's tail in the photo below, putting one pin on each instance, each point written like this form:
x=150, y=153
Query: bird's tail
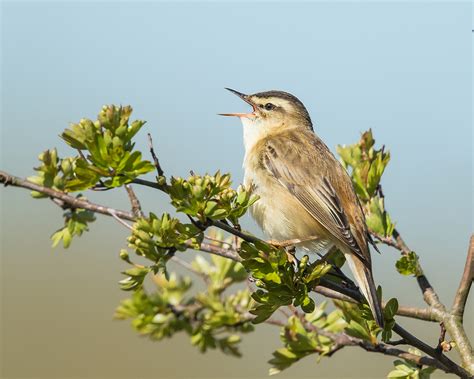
x=365, y=280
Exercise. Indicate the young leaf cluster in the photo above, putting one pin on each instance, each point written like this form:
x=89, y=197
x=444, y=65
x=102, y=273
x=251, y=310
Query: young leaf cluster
x=404, y=369
x=106, y=148
x=210, y=197
x=302, y=337
x=366, y=166
x=408, y=264
x=158, y=238
x=75, y=223
x=213, y=319
x=56, y=173
x=280, y=282
x=360, y=321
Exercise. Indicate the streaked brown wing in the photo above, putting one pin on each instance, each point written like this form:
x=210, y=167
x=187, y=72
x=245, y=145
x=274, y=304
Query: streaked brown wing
x=326, y=192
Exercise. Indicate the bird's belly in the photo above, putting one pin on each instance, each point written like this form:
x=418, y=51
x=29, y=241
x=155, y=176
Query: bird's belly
x=281, y=216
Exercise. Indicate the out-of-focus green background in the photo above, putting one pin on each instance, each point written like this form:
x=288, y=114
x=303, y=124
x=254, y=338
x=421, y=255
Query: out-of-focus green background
x=403, y=69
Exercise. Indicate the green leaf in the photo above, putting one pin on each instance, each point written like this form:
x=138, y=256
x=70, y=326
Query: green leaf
x=357, y=330
x=408, y=265
x=377, y=218
x=134, y=279
x=318, y=271
x=391, y=308
x=366, y=165
x=399, y=374
x=76, y=222
x=301, y=338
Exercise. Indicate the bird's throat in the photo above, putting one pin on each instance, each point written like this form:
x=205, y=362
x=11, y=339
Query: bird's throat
x=254, y=131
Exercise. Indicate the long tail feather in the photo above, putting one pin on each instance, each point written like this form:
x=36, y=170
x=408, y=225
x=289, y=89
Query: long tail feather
x=365, y=280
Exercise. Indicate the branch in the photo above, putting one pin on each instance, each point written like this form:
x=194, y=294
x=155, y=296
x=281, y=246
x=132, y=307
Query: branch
x=342, y=340
x=465, y=284
x=336, y=291
x=223, y=252
x=236, y=232
x=74, y=202
x=420, y=345
x=71, y=201
x=136, y=206
x=153, y=155
x=148, y=183
x=424, y=314
x=452, y=321
x=114, y=215
x=429, y=294
x=450, y=366
x=418, y=360
x=119, y=215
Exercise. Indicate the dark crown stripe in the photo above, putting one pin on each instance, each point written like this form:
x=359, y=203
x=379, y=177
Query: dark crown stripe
x=289, y=97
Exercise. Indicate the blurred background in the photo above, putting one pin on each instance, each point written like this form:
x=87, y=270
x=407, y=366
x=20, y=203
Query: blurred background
x=403, y=69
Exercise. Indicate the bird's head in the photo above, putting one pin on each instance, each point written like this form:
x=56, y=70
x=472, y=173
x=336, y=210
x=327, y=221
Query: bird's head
x=273, y=109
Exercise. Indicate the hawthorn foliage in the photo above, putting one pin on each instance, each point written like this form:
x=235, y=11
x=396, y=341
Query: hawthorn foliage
x=255, y=283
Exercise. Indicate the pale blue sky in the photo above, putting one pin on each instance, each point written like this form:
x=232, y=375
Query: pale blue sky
x=403, y=69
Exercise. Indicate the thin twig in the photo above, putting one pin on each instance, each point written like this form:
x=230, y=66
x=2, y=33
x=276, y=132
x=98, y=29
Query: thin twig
x=226, y=227
x=226, y=253
x=188, y=267
x=153, y=155
x=442, y=336
x=401, y=341
x=424, y=314
x=136, y=206
x=220, y=242
x=71, y=201
x=148, y=183
x=114, y=215
x=466, y=281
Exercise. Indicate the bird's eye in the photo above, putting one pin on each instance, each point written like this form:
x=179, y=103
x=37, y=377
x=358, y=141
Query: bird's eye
x=269, y=106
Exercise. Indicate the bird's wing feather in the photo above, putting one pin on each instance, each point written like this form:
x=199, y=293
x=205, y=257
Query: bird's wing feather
x=326, y=193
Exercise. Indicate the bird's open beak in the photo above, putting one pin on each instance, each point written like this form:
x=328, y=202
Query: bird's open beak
x=244, y=98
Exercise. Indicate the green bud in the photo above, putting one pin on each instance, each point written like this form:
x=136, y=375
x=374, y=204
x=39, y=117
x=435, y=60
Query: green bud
x=303, y=262
x=66, y=165
x=124, y=255
x=161, y=180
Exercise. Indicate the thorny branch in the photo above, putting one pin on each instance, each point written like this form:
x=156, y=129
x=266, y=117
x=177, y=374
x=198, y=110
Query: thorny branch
x=329, y=288
x=452, y=319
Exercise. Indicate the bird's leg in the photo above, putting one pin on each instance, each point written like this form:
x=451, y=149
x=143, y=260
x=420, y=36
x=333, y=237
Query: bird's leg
x=291, y=254
x=289, y=246
x=295, y=241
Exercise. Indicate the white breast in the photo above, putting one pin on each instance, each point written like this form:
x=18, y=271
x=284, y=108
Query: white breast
x=253, y=132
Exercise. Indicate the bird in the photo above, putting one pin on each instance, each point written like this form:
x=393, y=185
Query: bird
x=306, y=196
